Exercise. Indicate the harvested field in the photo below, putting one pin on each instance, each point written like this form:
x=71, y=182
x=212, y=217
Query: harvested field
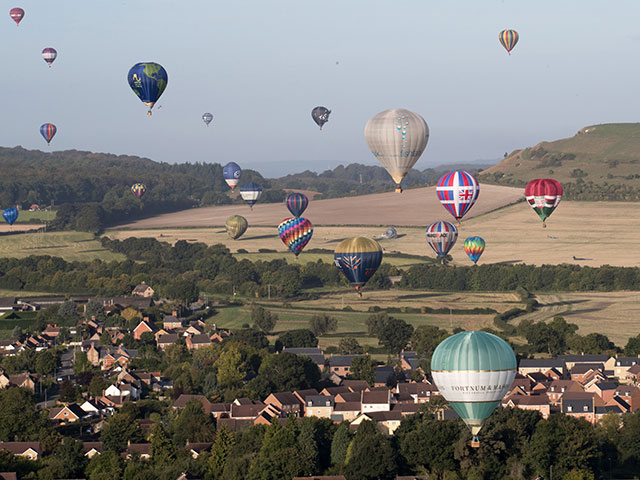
x=416, y=207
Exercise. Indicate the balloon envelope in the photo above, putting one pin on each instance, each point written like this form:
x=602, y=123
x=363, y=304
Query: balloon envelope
x=320, y=115
x=49, y=54
x=295, y=233
x=473, y=371
x=231, y=173
x=250, y=193
x=206, y=118
x=397, y=138
x=16, y=14
x=441, y=237
x=138, y=189
x=148, y=81
x=297, y=203
x=474, y=247
x=10, y=215
x=48, y=131
x=236, y=226
x=358, y=258
x=458, y=192
x=508, y=39
x=544, y=195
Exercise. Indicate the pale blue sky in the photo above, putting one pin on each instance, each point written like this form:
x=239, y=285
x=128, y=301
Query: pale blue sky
x=260, y=66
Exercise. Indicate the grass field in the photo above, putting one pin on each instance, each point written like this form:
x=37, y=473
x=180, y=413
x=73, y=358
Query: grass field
x=44, y=216
x=71, y=246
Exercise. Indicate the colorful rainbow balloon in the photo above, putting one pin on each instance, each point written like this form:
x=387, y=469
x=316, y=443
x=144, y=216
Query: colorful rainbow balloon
x=48, y=131
x=297, y=203
x=474, y=247
x=138, y=189
x=508, y=39
x=295, y=233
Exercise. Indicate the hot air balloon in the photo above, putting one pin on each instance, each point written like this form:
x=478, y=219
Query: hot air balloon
x=474, y=247
x=397, y=138
x=473, y=371
x=10, y=215
x=148, y=80
x=320, y=115
x=16, y=14
x=231, y=173
x=544, y=195
x=458, y=191
x=441, y=236
x=138, y=189
x=358, y=258
x=508, y=39
x=206, y=118
x=250, y=193
x=49, y=54
x=48, y=131
x=297, y=203
x=236, y=226
x=295, y=233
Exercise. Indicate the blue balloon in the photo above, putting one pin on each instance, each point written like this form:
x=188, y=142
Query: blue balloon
x=297, y=203
x=231, y=173
x=250, y=193
x=10, y=215
x=148, y=80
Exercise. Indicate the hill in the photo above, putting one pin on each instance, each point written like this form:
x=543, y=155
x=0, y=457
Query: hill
x=600, y=162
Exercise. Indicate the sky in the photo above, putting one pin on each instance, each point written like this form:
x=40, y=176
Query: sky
x=260, y=67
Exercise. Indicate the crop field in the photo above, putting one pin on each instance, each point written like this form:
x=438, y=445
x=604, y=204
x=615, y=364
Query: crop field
x=71, y=246
x=42, y=215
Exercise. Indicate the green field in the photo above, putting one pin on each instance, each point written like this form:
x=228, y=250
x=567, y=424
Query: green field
x=26, y=216
x=23, y=320
x=72, y=246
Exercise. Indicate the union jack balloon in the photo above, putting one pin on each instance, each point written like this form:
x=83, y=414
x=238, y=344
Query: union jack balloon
x=441, y=237
x=458, y=191
x=544, y=195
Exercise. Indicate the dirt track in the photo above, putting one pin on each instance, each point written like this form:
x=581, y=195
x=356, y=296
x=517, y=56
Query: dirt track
x=417, y=207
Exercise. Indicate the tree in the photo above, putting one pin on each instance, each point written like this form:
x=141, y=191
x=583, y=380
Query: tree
x=120, y=429
x=426, y=338
x=106, y=339
x=340, y=444
x=193, y=425
x=68, y=310
x=263, y=319
x=162, y=450
x=16, y=334
x=231, y=371
x=184, y=291
x=632, y=349
x=68, y=392
x=349, y=346
x=431, y=445
x=322, y=324
x=289, y=372
x=19, y=419
x=97, y=386
x=298, y=338
x=46, y=362
x=309, y=454
x=93, y=308
x=249, y=336
x=361, y=463
x=395, y=335
x=81, y=363
x=220, y=452
x=363, y=368
x=106, y=466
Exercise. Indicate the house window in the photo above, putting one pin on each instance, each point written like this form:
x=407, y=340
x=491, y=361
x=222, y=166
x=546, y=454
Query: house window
x=569, y=408
x=586, y=408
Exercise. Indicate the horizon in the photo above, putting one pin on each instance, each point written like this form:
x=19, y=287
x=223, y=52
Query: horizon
x=260, y=82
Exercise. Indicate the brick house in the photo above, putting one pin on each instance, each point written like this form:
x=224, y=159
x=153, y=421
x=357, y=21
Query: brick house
x=286, y=402
x=29, y=450
x=143, y=290
x=319, y=406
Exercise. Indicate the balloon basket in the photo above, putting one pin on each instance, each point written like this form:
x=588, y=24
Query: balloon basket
x=544, y=225
x=398, y=189
x=475, y=442
x=149, y=113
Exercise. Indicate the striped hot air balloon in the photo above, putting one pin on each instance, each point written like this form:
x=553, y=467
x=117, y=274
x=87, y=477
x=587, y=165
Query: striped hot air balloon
x=297, y=203
x=236, y=226
x=441, y=237
x=138, y=189
x=474, y=247
x=544, y=195
x=473, y=372
x=49, y=54
x=358, y=258
x=295, y=233
x=48, y=131
x=16, y=14
x=250, y=193
x=457, y=192
x=508, y=39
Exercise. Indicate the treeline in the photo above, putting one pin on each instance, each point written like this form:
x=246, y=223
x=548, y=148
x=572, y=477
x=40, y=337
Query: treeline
x=503, y=278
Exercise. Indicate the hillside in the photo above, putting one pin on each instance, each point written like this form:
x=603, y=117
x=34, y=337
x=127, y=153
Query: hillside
x=600, y=162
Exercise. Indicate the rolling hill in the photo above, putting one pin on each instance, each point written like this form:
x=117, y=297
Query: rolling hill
x=600, y=162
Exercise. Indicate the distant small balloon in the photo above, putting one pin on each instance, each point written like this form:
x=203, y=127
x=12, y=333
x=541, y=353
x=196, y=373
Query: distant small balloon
x=10, y=215
x=49, y=54
x=16, y=14
x=206, y=118
x=138, y=189
x=48, y=131
x=320, y=115
x=508, y=39
x=474, y=247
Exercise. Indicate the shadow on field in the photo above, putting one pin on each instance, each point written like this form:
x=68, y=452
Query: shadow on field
x=584, y=310
x=257, y=237
x=508, y=262
x=43, y=247
x=566, y=302
x=420, y=295
x=94, y=250
x=343, y=334
x=85, y=240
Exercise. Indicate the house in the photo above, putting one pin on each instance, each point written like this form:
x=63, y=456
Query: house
x=376, y=401
x=354, y=385
x=197, y=449
x=23, y=380
x=8, y=476
x=29, y=450
x=539, y=403
x=183, y=399
x=219, y=335
x=409, y=361
x=172, y=321
x=605, y=390
x=579, y=404
x=67, y=413
x=123, y=389
x=542, y=365
x=303, y=394
x=141, y=449
x=143, y=290
x=267, y=415
x=341, y=364
x=622, y=365
x=9, y=347
x=246, y=411
x=144, y=326
x=220, y=409
x=632, y=375
x=91, y=449
x=383, y=375
x=572, y=360
x=558, y=388
x=198, y=341
x=164, y=341
x=580, y=371
x=287, y=402
x=314, y=354
x=387, y=422
x=334, y=390
x=346, y=411
x=7, y=304
x=348, y=397
x=95, y=407
x=420, y=392
x=319, y=406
